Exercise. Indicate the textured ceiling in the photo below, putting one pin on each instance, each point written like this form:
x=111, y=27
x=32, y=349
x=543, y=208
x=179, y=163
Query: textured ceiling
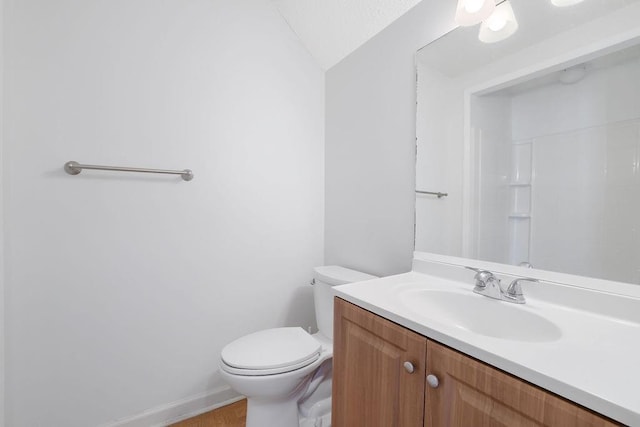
x=332, y=29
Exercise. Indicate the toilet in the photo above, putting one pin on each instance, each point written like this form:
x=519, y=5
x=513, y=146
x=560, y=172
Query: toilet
x=285, y=373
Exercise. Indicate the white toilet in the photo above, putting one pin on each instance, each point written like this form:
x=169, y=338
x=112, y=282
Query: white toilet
x=285, y=373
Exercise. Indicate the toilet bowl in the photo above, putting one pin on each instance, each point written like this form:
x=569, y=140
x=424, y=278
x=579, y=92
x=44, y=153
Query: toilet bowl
x=285, y=373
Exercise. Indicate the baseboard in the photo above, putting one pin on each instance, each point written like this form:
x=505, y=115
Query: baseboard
x=180, y=410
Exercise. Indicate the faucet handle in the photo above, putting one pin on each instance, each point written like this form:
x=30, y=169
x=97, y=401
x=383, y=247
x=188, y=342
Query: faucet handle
x=482, y=277
x=514, y=290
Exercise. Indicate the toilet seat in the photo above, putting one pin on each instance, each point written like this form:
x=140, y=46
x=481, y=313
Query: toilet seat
x=270, y=352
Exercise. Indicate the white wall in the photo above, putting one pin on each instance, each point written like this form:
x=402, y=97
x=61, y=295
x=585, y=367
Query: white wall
x=122, y=289
x=2, y=270
x=438, y=217
x=371, y=143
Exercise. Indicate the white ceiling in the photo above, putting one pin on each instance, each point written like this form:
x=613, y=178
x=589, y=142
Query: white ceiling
x=332, y=29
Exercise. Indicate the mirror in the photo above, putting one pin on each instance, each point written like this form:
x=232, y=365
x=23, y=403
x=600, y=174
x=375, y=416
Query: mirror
x=536, y=142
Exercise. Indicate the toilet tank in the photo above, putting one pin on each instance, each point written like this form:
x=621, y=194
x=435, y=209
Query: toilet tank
x=324, y=278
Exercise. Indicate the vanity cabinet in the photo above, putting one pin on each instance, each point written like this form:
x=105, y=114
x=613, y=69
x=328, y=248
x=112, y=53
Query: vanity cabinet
x=471, y=393
x=373, y=386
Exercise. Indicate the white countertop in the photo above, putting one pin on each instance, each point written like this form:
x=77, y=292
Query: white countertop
x=595, y=361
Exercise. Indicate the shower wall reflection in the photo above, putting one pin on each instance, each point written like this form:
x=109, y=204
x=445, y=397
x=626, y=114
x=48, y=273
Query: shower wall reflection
x=557, y=171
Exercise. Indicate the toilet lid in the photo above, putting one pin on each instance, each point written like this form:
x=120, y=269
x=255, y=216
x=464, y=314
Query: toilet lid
x=272, y=351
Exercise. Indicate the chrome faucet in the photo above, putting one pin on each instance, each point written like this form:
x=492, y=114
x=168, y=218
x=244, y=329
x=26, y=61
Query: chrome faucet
x=490, y=286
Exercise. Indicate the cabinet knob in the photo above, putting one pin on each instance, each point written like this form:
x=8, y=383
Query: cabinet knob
x=408, y=366
x=432, y=380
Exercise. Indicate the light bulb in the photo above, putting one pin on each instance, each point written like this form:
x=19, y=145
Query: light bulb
x=496, y=22
x=472, y=12
x=473, y=6
x=564, y=3
x=501, y=24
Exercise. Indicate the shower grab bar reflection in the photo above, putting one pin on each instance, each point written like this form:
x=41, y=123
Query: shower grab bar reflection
x=433, y=193
x=74, y=168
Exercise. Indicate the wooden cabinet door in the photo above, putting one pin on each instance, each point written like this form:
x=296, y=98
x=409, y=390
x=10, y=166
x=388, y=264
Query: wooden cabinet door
x=471, y=393
x=371, y=387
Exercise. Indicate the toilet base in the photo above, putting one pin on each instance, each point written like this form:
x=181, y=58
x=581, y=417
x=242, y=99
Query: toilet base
x=324, y=421
x=274, y=414
x=269, y=413
x=318, y=415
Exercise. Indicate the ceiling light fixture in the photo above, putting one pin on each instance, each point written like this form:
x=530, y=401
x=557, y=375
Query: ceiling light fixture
x=501, y=24
x=564, y=3
x=572, y=75
x=472, y=12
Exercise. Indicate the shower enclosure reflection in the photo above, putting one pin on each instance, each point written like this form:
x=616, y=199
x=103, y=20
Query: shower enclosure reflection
x=558, y=184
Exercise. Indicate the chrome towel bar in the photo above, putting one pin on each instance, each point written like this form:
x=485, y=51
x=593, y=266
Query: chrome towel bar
x=74, y=168
x=433, y=193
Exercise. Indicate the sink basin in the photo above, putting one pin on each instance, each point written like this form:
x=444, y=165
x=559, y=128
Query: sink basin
x=481, y=315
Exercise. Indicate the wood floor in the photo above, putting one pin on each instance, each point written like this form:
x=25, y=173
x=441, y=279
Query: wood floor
x=233, y=415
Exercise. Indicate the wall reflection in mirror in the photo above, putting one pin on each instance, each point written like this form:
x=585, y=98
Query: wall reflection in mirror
x=536, y=141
